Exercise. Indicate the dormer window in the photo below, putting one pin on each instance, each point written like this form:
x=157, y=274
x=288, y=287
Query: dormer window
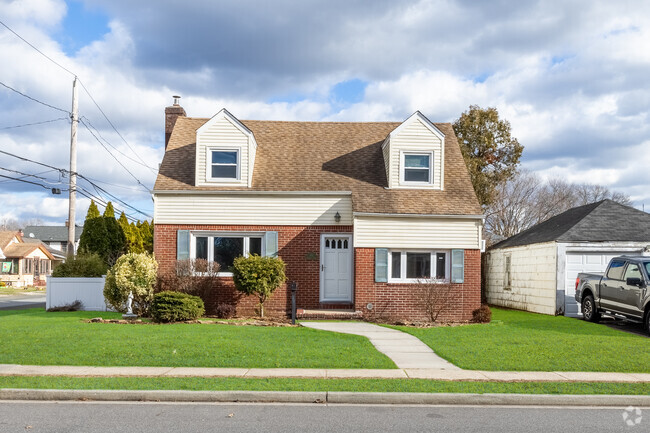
x=417, y=168
x=224, y=164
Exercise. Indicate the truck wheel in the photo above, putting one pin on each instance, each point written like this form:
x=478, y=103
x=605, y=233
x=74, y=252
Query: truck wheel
x=646, y=322
x=589, y=311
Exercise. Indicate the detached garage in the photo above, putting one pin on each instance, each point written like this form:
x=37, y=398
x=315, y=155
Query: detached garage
x=536, y=269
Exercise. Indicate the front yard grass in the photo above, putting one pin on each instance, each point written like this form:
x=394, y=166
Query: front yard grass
x=34, y=337
x=11, y=290
x=351, y=385
x=522, y=341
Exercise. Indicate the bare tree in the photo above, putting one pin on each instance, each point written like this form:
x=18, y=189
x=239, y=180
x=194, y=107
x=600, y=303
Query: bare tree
x=434, y=297
x=526, y=200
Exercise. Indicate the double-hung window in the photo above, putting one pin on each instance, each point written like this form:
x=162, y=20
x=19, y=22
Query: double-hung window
x=417, y=167
x=223, y=164
x=223, y=248
x=413, y=266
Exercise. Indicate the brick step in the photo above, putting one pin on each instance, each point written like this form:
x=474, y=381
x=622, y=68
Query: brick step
x=329, y=314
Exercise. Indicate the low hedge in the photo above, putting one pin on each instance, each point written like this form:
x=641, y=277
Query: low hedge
x=176, y=307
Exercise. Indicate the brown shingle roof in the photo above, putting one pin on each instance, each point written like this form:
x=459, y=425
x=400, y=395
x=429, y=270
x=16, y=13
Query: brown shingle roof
x=327, y=156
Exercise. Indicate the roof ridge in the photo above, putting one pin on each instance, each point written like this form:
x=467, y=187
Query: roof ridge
x=319, y=122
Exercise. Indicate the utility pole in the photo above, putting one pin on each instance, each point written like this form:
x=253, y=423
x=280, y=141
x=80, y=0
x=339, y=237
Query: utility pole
x=73, y=169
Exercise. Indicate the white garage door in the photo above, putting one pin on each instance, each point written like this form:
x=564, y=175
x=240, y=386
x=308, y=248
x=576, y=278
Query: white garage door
x=577, y=262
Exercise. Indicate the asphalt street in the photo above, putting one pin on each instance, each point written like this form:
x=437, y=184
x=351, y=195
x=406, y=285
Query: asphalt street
x=21, y=302
x=90, y=417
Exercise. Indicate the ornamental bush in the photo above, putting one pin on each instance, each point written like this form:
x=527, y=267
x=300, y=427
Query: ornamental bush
x=483, y=314
x=176, y=307
x=134, y=273
x=83, y=265
x=259, y=276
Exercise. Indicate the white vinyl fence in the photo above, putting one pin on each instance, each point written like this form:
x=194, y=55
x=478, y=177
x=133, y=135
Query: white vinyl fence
x=64, y=291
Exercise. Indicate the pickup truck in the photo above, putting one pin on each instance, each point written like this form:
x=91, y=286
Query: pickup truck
x=621, y=292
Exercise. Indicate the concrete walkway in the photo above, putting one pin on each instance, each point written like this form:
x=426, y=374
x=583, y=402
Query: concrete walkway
x=315, y=373
x=405, y=350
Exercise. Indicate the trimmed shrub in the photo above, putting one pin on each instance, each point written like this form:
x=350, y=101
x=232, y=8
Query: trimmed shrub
x=83, y=265
x=259, y=276
x=176, y=307
x=74, y=306
x=134, y=273
x=225, y=311
x=483, y=314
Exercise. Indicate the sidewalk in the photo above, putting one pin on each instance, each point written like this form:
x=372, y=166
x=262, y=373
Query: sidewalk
x=403, y=373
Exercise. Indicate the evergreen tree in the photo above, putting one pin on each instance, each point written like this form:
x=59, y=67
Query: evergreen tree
x=115, y=236
x=136, y=239
x=128, y=233
x=146, y=231
x=94, y=237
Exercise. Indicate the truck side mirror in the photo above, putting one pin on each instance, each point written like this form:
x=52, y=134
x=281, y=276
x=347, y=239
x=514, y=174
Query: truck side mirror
x=634, y=282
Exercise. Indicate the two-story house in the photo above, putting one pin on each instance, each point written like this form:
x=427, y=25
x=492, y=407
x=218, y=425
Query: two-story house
x=360, y=212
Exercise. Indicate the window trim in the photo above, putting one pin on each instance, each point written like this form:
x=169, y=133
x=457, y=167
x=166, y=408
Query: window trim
x=402, y=172
x=220, y=234
x=432, y=266
x=209, y=164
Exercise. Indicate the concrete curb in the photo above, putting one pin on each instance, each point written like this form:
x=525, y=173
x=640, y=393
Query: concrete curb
x=386, y=398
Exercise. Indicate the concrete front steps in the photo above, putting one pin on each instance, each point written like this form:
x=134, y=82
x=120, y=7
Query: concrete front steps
x=303, y=314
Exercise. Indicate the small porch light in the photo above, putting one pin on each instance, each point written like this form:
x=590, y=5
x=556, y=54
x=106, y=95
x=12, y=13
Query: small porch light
x=337, y=217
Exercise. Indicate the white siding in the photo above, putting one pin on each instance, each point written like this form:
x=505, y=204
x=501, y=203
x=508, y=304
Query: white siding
x=222, y=133
x=251, y=209
x=411, y=232
x=414, y=137
x=533, y=277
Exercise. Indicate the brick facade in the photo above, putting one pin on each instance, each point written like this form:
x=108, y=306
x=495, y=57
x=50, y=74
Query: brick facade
x=299, y=247
x=398, y=301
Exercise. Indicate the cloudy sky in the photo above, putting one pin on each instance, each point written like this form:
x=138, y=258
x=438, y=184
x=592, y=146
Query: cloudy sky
x=571, y=77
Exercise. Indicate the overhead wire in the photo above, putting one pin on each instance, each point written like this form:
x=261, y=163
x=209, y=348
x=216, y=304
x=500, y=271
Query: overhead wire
x=89, y=95
x=34, y=99
x=110, y=153
x=89, y=124
x=81, y=176
x=34, y=123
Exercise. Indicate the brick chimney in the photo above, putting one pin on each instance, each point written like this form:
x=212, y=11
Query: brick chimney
x=171, y=114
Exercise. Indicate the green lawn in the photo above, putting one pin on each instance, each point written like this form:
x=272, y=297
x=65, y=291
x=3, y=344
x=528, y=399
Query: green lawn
x=352, y=385
x=34, y=337
x=520, y=341
x=10, y=290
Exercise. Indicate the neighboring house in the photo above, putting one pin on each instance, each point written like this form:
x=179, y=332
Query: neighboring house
x=536, y=269
x=23, y=263
x=359, y=212
x=55, y=237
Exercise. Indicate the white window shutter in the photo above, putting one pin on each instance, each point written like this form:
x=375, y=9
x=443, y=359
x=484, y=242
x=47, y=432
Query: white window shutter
x=271, y=244
x=457, y=266
x=381, y=265
x=182, y=244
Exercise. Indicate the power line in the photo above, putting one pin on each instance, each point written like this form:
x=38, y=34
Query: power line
x=84, y=118
x=109, y=152
x=27, y=174
x=34, y=99
x=82, y=85
x=63, y=171
x=39, y=51
x=35, y=123
x=102, y=201
x=109, y=121
x=26, y=181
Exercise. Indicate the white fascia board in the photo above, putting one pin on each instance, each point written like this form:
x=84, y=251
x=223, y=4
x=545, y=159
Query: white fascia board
x=430, y=126
x=248, y=192
x=602, y=246
x=413, y=215
x=223, y=113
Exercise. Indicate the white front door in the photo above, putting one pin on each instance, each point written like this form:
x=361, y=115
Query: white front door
x=336, y=268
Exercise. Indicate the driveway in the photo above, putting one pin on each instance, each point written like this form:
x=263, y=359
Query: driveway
x=22, y=301
x=624, y=325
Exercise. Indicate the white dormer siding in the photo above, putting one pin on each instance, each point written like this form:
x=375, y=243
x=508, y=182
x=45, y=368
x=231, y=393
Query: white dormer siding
x=223, y=133
x=407, y=151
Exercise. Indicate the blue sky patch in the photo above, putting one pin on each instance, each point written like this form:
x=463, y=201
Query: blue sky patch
x=348, y=92
x=81, y=26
